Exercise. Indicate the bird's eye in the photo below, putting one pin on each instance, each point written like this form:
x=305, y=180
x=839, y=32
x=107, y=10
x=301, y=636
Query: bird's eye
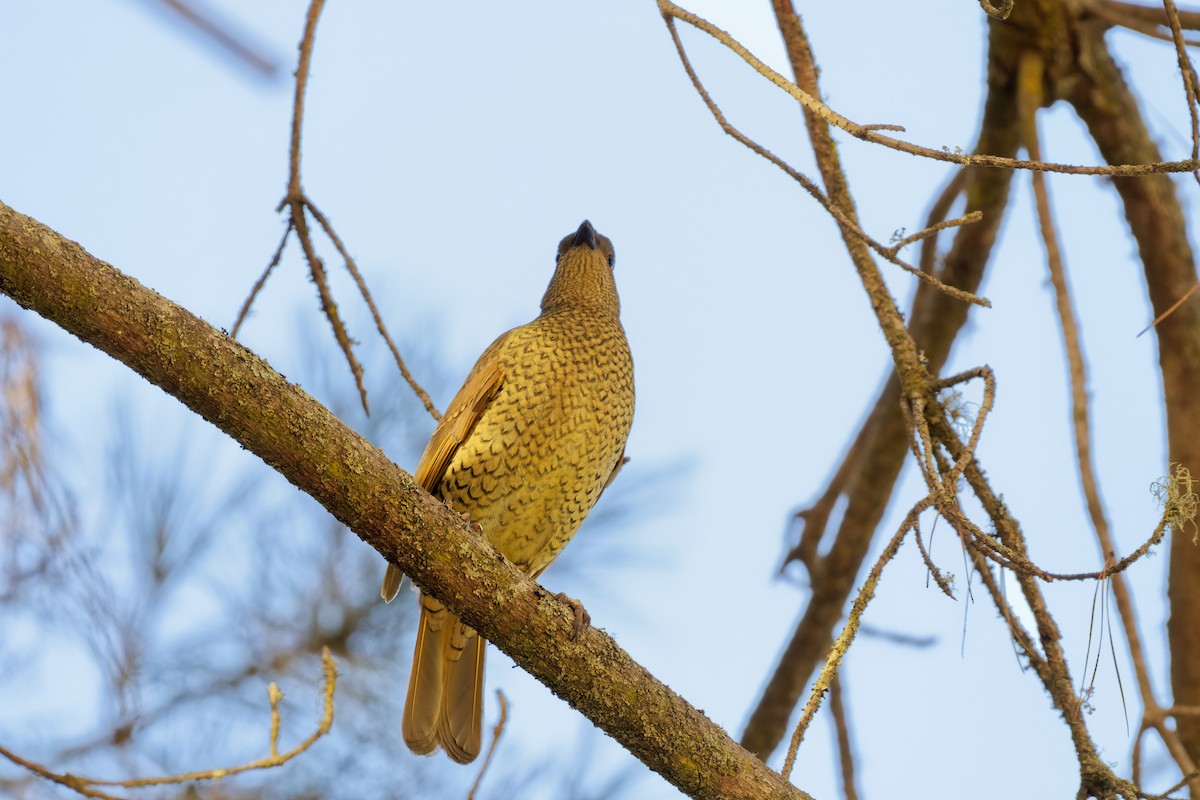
x=612, y=260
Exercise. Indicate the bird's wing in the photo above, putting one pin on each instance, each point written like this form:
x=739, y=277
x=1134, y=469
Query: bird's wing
x=461, y=417
x=465, y=411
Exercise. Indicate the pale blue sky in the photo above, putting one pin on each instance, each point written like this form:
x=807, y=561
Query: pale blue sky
x=452, y=145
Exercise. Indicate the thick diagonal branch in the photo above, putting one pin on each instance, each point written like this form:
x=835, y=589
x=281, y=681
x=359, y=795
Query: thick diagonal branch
x=238, y=392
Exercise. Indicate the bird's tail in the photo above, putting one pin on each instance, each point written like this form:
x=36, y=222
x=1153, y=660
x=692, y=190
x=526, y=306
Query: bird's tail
x=444, y=704
x=424, y=699
x=392, y=579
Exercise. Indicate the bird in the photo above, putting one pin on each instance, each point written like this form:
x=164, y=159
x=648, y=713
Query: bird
x=525, y=449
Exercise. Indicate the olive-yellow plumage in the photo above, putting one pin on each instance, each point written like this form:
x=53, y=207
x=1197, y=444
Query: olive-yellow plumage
x=525, y=449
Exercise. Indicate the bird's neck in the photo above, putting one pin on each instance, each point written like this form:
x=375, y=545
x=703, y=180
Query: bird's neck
x=581, y=284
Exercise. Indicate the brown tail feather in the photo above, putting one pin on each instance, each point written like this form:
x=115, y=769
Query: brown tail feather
x=460, y=726
x=422, y=704
x=391, y=583
x=444, y=704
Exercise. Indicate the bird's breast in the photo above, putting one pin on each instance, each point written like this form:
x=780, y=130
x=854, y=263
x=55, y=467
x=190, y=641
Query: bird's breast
x=541, y=453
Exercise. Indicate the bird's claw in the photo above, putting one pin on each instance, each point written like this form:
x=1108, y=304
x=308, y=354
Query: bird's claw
x=472, y=525
x=582, y=617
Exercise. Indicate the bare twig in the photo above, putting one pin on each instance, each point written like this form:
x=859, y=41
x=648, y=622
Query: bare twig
x=379, y=324
x=1008, y=558
x=73, y=783
x=1180, y=711
x=1167, y=794
x=87, y=786
x=936, y=573
x=1171, y=309
x=919, y=439
x=846, y=637
x=896, y=637
x=869, y=133
x=998, y=11
x=935, y=229
x=813, y=520
x=1030, y=82
x=274, y=695
x=1154, y=14
x=1117, y=14
x=496, y=734
x=262, y=281
x=985, y=407
x=1020, y=637
x=841, y=725
x=1191, y=84
x=296, y=202
x=224, y=36
x=316, y=268
x=848, y=224
x=299, y=205
x=938, y=211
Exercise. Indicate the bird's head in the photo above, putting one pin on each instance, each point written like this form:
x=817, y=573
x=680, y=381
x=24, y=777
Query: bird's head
x=583, y=276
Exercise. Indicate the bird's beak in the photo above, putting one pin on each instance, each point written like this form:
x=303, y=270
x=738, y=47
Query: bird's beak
x=586, y=235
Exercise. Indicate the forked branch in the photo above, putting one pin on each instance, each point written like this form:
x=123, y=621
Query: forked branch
x=299, y=206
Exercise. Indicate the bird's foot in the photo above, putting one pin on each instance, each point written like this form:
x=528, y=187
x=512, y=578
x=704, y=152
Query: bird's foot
x=472, y=525
x=582, y=617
